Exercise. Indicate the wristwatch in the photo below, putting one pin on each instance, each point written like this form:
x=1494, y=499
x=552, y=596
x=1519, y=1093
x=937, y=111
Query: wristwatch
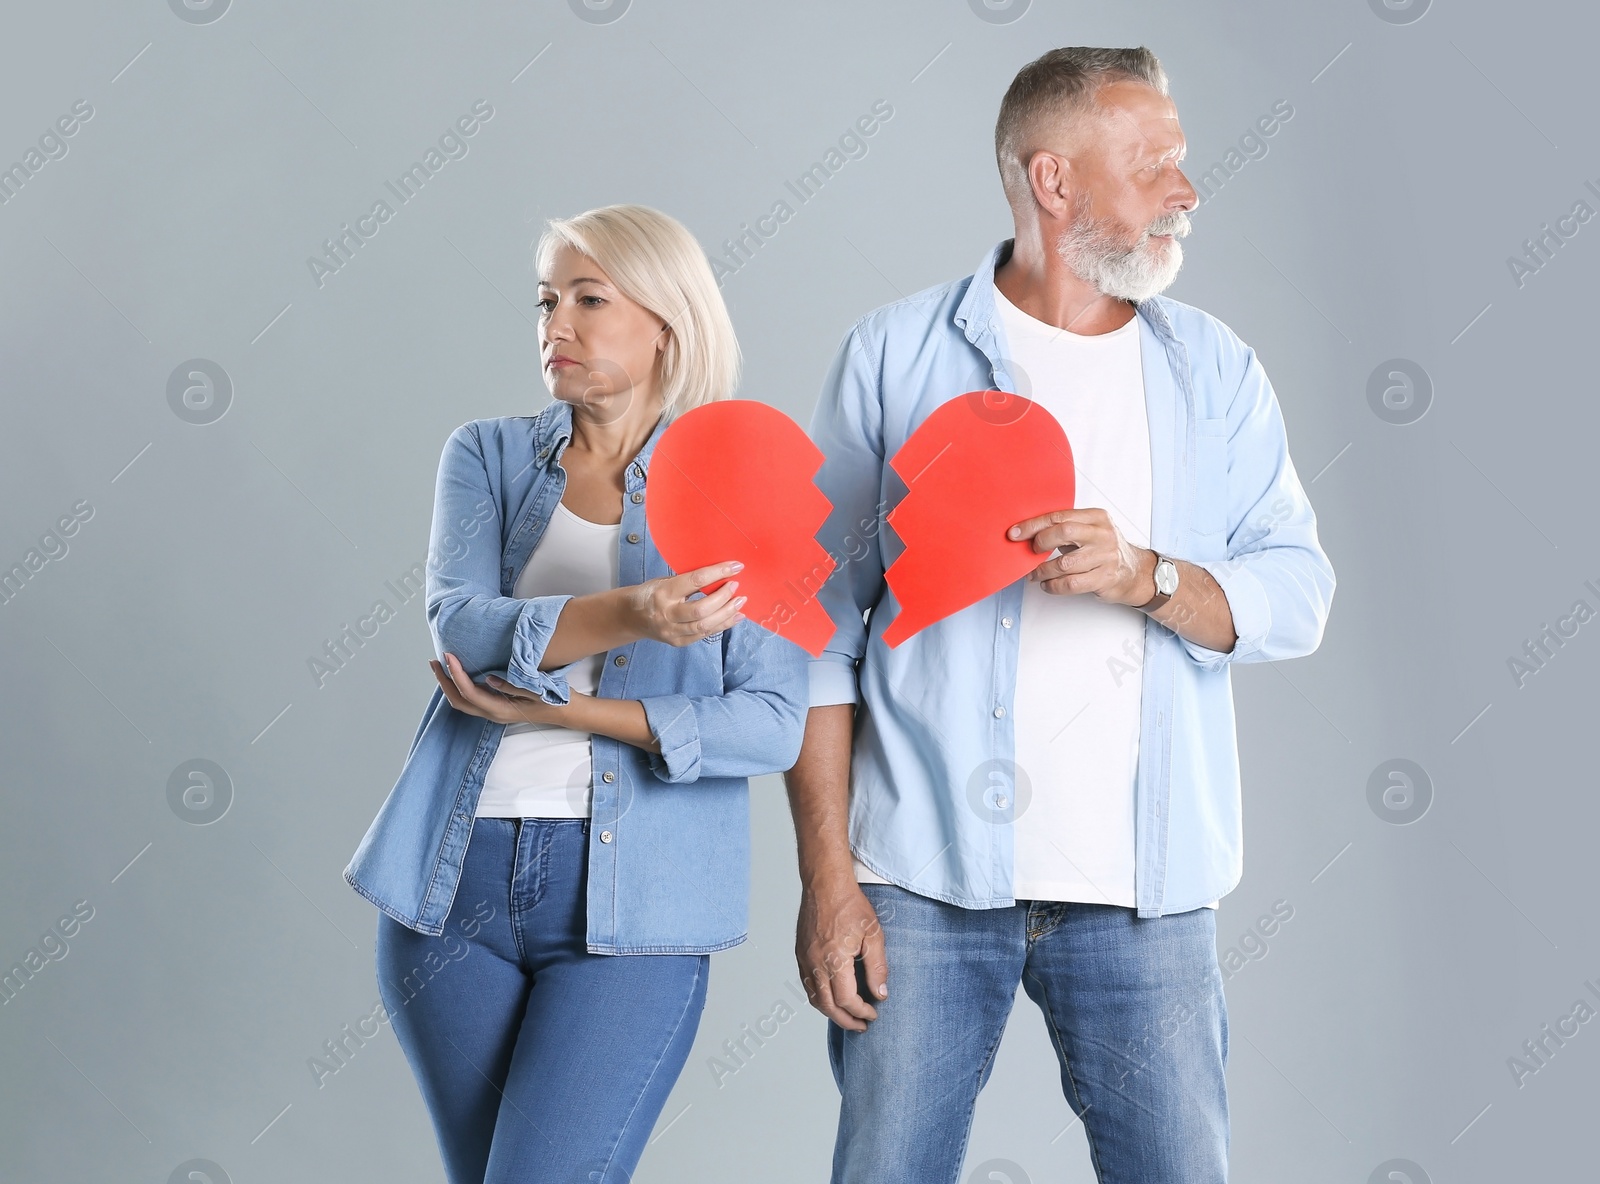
x=1166, y=583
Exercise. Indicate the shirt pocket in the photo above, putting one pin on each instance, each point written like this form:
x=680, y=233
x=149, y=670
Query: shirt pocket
x=1210, y=475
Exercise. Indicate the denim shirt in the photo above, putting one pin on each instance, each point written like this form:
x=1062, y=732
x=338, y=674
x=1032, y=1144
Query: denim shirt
x=934, y=727
x=669, y=835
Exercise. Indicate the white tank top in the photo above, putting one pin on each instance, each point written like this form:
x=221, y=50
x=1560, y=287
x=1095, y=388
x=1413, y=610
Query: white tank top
x=543, y=770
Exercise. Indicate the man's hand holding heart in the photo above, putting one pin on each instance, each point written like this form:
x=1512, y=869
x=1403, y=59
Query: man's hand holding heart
x=1094, y=558
x=1097, y=559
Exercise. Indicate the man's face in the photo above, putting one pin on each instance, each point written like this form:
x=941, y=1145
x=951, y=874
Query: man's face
x=1131, y=202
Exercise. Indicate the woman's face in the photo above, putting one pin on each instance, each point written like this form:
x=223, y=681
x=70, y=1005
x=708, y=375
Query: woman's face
x=599, y=348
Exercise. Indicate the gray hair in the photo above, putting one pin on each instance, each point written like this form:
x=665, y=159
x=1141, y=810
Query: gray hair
x=1055, y=91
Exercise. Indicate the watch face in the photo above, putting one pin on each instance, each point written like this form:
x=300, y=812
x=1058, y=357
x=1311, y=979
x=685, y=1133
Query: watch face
x=1166, y=577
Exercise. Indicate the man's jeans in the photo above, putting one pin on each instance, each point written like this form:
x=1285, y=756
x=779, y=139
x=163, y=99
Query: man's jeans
x=537, y=1059
x=1134, y=1008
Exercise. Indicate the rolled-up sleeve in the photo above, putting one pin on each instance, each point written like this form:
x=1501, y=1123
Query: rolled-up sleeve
x=754, y=726
x=1278, y=581
x=847, y=426
x=467, y=616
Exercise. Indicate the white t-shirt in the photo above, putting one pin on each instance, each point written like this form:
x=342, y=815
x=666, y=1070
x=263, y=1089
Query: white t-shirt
x=1080, y=661
x=543, y=770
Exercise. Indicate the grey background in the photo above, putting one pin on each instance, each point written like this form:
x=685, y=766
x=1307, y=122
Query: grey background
x=219, y=557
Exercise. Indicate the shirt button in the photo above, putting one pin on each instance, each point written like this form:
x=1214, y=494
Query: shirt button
x=637, y=497
x=608, y=776
x=999, y=712
x=633, y=536
x=1000, y=801
x=605, y=836
x=621, y=660
x=1006, y=621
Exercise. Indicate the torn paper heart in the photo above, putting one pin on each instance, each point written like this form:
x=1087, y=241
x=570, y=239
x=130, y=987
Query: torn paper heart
x=974, y=468
x=732, y=480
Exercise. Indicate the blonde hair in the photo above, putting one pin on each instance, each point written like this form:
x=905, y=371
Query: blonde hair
x=654, y=261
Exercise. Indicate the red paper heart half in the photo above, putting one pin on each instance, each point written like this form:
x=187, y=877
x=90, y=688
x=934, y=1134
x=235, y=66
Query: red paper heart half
x=974, y=468
x=732, y=480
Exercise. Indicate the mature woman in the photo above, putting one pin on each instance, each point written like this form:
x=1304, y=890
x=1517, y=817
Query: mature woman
x=567, y=844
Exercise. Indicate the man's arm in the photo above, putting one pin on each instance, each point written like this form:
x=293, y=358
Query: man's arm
x=837, y=921
x=1097, y=559
x=1198, y=610
x=1277, y=579
x=1267, y=601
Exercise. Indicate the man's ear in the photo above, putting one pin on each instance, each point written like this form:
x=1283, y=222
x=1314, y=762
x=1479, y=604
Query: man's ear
x=1050, y=177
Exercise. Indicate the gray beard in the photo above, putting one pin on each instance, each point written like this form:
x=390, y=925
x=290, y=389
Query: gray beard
x=1093, y=249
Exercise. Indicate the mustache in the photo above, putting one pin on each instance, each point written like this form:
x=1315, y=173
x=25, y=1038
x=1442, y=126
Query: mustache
x=1176, y=224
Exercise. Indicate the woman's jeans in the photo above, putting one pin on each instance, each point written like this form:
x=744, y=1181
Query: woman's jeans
x=537, y=1059
x=1135, y=1013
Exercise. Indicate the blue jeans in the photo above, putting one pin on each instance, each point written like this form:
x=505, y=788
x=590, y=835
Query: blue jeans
x=537, y=1059
x=1134, y=1008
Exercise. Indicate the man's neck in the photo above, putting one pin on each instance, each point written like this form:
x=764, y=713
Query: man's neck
x=1042, y=286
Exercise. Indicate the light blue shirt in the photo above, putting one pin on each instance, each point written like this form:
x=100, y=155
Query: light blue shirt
x=669, y=832
x=934, y=721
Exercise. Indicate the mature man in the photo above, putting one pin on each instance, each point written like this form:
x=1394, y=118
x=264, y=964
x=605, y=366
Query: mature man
x=1044, y=787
